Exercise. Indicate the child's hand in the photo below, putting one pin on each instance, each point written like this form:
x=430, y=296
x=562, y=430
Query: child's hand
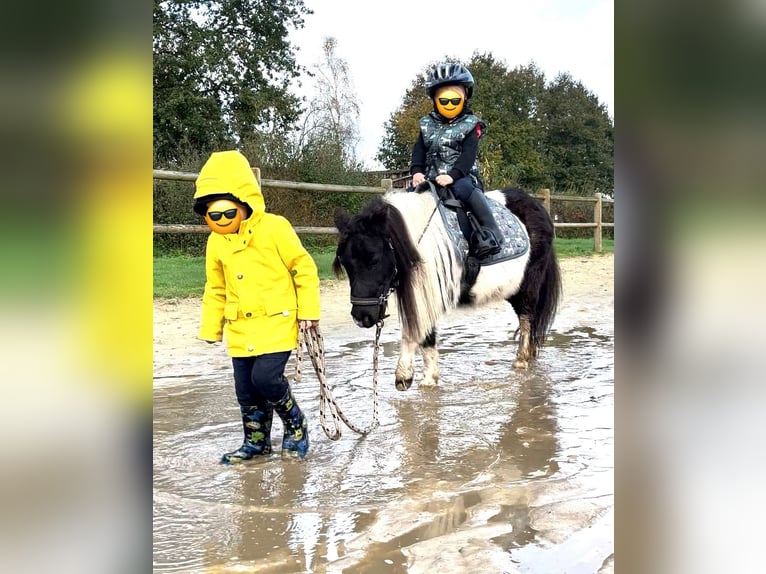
x=417, y=179
x=307, y=324
x=444, y=180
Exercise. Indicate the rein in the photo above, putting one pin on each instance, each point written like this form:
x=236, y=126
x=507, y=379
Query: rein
x=436, y=208
x=312, y=340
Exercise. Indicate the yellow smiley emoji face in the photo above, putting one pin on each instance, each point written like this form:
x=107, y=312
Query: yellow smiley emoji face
x=223, y=216
x=449, y=101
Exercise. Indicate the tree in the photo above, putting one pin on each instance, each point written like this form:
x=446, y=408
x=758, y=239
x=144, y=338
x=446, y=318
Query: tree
x=508, y=101
x=579, y=137
x=403, y=127
x=539, y=135
x=332, y=117
x=222, y=71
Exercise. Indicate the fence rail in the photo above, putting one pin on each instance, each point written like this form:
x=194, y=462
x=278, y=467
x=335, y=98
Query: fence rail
x=385, y=185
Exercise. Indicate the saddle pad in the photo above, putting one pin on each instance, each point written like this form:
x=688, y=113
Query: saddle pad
x=515, y=238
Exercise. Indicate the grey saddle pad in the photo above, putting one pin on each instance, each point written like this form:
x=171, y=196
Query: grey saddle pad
x=515, y=238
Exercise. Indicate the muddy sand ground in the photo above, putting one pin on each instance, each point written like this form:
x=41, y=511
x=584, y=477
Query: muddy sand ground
x=176, y=320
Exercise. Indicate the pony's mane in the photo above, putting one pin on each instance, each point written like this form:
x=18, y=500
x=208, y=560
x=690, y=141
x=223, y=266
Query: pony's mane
x=431, y=286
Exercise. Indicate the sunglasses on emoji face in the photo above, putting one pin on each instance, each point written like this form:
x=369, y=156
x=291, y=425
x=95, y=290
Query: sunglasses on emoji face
x=453, y=101
x=216, y=215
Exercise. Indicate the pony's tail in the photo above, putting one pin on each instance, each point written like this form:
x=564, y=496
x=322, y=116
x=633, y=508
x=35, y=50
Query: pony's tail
x=548, y=300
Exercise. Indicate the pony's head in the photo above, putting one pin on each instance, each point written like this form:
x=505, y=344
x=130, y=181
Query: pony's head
x=376, y=254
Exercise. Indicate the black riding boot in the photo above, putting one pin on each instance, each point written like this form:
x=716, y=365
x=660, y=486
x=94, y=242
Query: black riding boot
x=256, y=422
x=296, y=439
x=487, y=241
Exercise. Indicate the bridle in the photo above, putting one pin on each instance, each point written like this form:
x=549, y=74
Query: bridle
x=381, y=301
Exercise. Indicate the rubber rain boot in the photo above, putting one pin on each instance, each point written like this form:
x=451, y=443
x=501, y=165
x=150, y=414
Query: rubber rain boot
x=487, y=241
x=295, y=443
x=256, y=422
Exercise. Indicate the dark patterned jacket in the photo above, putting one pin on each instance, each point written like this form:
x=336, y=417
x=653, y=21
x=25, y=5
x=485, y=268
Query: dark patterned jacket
x=447, y=147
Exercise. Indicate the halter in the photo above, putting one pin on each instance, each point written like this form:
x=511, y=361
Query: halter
x=381, y=301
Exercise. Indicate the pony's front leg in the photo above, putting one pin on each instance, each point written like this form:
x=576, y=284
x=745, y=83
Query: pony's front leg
x=430, y=360
x=526, y=350
x=405, y=369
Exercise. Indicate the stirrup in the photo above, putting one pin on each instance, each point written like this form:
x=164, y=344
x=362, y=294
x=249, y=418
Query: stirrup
x=484, y=251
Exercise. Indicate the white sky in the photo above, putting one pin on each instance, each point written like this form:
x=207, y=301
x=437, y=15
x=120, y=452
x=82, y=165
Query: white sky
x=387, y=44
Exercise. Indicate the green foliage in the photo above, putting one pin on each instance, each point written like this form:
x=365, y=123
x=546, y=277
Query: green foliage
x=172, y=204
x=402, y=128
x=579, y=139
x=554, y=135
x=222, y=70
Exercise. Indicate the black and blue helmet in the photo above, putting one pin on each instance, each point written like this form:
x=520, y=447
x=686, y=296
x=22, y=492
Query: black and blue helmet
x=449, y=73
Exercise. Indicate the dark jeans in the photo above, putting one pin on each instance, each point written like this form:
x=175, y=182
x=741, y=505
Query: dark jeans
x=463, y=188
x=259, y=379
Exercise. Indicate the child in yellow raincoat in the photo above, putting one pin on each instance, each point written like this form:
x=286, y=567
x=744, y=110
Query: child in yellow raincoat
x=260, y=285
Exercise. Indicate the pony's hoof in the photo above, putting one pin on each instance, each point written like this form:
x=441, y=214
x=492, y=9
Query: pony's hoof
x=521, y=364
x=403, y=384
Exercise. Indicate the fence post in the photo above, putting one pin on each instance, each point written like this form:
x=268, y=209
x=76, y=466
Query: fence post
x=546, y=199
x=597, y=221
x=387, y=184
x=547, y=205
x=257, y=172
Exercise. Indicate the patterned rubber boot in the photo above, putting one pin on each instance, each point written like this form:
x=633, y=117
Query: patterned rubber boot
x=256, y=422
x=296, y=440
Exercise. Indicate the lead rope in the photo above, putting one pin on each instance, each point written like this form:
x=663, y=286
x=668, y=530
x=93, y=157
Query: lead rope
x=312, y=339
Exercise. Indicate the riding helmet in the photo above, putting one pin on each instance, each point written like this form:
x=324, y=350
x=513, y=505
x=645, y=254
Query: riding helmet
x=449, y=73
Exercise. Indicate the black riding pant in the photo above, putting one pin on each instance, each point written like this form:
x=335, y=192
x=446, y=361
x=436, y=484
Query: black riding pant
x=463, y=188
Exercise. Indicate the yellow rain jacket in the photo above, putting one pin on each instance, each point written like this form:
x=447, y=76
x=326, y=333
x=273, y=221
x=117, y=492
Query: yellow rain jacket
x=259, y=281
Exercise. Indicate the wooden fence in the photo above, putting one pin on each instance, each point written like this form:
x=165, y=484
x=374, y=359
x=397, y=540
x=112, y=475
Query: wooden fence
x=385, y=185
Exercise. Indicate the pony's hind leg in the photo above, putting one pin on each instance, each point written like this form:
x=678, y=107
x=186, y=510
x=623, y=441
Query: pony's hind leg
x=430, y=360
x=527, y=348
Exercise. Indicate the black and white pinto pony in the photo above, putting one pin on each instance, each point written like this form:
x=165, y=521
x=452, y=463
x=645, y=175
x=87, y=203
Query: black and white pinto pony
x=398, y=244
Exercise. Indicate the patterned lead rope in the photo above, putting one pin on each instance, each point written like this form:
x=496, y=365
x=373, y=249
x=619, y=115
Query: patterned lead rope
x=312, y=340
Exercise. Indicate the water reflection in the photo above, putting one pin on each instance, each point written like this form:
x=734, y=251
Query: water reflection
x=485, y=463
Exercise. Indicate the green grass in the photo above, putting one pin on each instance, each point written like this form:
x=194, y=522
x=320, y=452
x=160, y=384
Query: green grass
x=183, y=276
x=579, y=247
x=179, y=276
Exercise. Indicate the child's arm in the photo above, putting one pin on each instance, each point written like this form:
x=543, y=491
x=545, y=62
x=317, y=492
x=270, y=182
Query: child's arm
x=464, y=163
x=302, y=268
x=418, y=157
x=214, y=298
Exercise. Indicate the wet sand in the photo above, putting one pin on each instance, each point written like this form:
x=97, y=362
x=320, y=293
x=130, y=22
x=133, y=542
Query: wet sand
x=588, y=281
x=492, y=471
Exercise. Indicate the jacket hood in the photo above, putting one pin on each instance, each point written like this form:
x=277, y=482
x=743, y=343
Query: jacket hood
x=228, y=173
